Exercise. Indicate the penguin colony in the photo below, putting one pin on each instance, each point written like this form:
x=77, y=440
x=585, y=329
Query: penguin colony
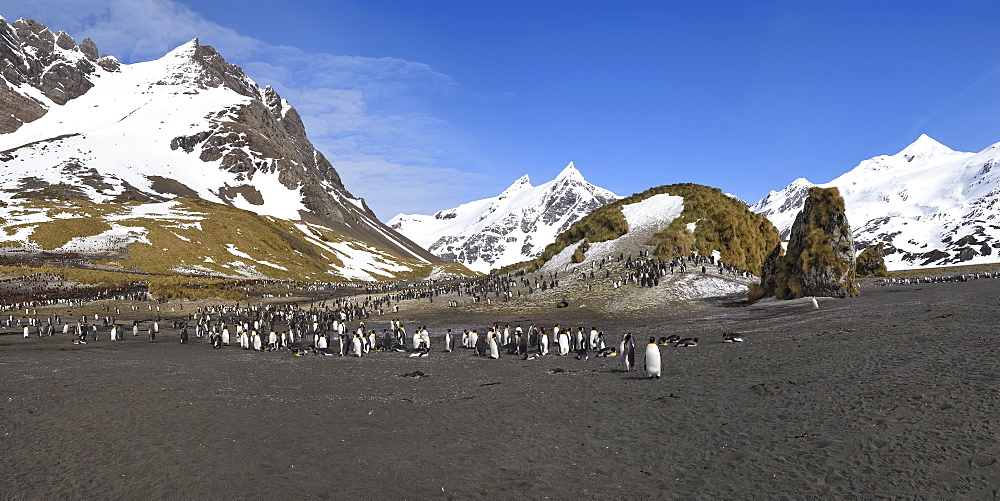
x=321, y=330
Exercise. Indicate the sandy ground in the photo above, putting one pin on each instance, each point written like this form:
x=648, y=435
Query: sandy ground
x=890, y=394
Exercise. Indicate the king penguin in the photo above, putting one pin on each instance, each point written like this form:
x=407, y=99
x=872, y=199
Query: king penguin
x=449, y=341
x=653, y=366
x=815, y=303
x=494, y=348
x=481, y=346
x=473, y=339
x=628, y=352
x=563, y=343
x=356, y=348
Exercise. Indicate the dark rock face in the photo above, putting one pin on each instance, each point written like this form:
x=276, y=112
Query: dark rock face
x=109, y=63
x=89, y=49
x=820, y=259
x=30, y=54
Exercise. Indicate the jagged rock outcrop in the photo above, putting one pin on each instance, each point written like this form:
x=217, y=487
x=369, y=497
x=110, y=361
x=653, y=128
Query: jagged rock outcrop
x=31, y=55
x=819, y=260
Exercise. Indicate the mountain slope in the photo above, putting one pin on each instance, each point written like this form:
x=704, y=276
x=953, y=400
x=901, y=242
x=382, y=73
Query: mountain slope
x=512, y=227
x=930, y=205
x=188, y=125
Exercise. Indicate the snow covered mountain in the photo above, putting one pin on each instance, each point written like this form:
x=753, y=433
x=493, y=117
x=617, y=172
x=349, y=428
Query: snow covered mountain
x=932, y=206
x=512, y=227
x=189, y=126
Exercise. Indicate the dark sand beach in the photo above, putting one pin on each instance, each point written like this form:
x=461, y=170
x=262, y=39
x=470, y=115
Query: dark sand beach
x=892, y=394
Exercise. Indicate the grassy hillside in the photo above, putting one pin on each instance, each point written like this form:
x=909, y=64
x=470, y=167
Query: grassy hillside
x=197, y=238
x=721, y=223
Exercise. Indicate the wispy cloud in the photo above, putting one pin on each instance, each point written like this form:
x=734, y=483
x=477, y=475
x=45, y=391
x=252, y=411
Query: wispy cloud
x=368, y=115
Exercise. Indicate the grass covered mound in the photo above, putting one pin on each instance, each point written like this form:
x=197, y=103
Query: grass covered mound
x=871, y=262
x=722, y=223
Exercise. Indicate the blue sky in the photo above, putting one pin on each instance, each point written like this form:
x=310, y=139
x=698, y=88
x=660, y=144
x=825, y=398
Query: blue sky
x=425, y=105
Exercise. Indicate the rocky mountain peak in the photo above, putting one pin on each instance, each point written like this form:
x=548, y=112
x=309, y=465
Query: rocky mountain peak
x=570, y=173
x=512, y=227
x=924, y=147
x=522, y=183
x=189, y=124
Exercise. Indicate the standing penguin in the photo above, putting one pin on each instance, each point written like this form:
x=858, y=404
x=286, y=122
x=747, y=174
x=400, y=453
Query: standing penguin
x=815, y=303
x=449, y=341
x=628, y=352
x=494, y=348
x=543, y=343
x=482, y=347
x=563, y=343
x=425, y=336
x=473, y=339
x=653, y=366
x=356, y=348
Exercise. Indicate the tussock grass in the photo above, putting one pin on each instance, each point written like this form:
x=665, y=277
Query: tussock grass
x=580, y=253
x=175, y=244
x=160, y=286
x=723, y=223
x=814, y=254
x=871, y=262
x=56, y=233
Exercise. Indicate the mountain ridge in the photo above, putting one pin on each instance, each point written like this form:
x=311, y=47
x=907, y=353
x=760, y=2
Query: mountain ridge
x=509, y=228
x=186, y=125
x=929, y=204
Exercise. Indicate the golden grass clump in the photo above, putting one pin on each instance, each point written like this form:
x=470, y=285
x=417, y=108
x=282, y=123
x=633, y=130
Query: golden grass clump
x=56, y=233
x=871, y=262
x=742, y=237
x=581, y=252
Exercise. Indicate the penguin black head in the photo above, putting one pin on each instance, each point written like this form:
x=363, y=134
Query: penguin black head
x=652, y=340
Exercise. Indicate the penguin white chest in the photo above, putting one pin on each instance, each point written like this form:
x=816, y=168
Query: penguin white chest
x=653, y=365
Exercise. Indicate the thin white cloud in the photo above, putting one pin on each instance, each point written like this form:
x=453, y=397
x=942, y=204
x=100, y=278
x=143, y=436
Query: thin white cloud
x=369, y=116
